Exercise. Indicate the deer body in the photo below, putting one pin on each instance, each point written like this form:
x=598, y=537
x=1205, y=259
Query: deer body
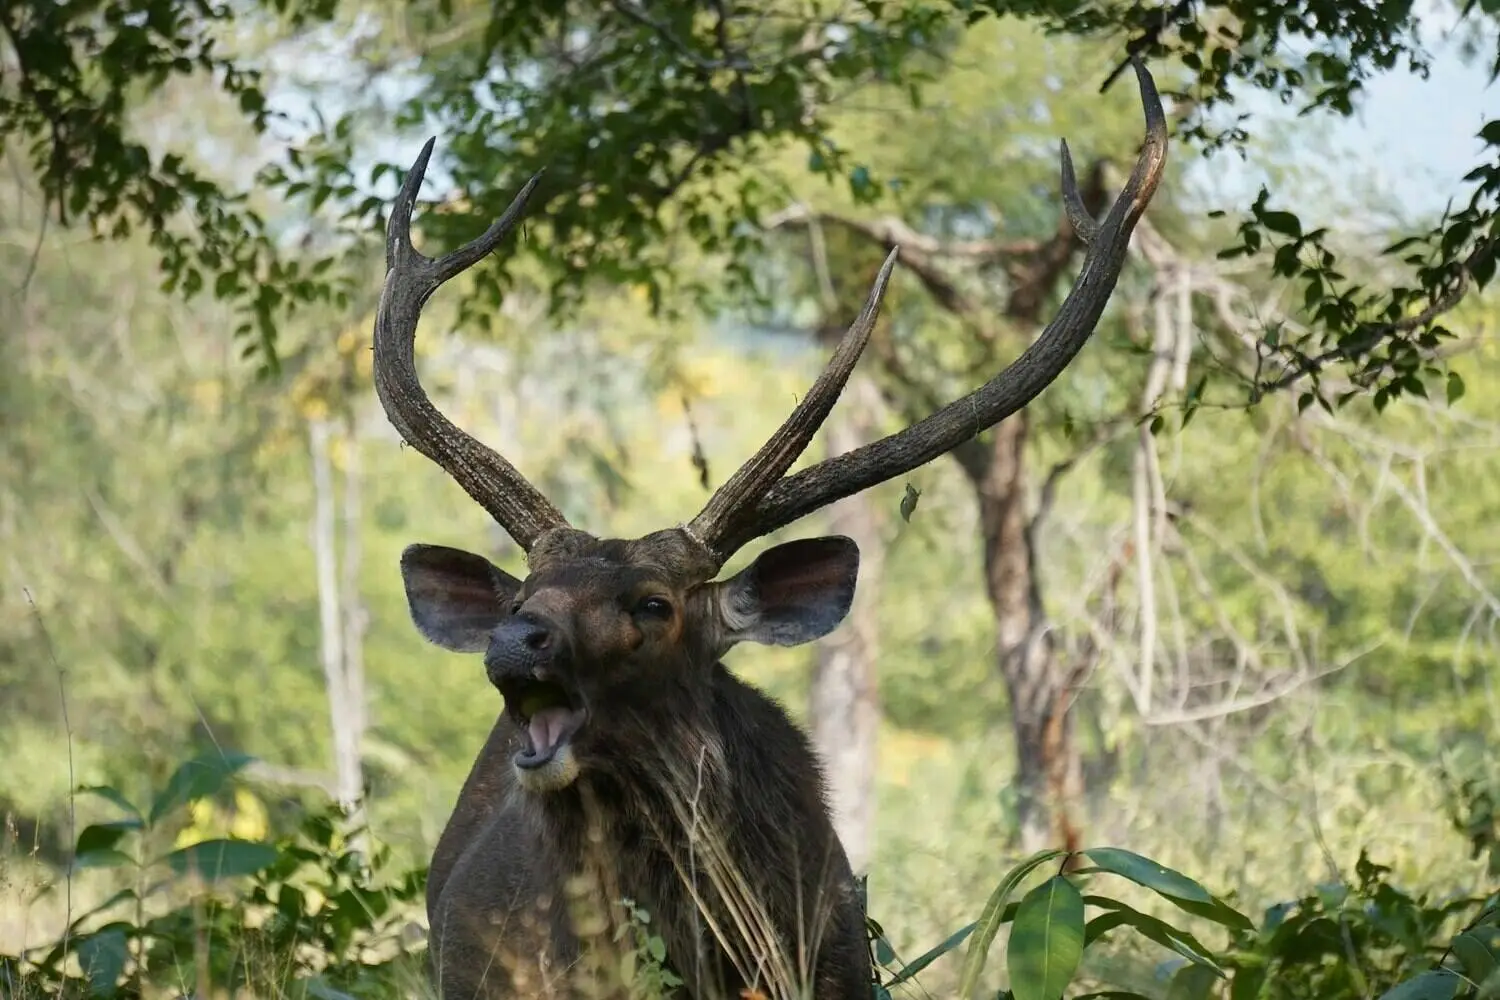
x=629, y=762
x=504, y=857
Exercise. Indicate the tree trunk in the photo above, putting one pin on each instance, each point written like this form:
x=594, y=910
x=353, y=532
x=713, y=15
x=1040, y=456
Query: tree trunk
x=355, y=622
x=845, y=702
x=1049, y=772
x=345, y=703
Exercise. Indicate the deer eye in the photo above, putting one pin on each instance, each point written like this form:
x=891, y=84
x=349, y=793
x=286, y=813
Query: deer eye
x=654, y=607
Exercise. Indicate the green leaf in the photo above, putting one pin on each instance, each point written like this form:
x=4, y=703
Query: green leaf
x=102, y=956
x=988, y=924
x=1143, y=871
x=1192, y=982
x=1046, y=940
x=103, y=858
x=102, y=836
x=932, y=954
x=1284, y=223
x=110, y=795
x=216, y=859
x=196, y=779
x=1174, y=886
x=1455, y=387
x=1440, y=984
x=1160, y=931
x=1247, y=983
x=909, y=502
x=1479, y=951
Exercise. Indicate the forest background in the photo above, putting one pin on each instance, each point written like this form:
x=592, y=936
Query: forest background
x=1224, y=596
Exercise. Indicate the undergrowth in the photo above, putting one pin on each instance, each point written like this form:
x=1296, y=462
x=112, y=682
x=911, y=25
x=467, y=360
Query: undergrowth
x=319, y=911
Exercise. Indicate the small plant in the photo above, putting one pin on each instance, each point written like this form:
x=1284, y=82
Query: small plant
x=307, y=910
x=1371, y=939
x=1050, y=932
x=1338, y=943
x=644, y=971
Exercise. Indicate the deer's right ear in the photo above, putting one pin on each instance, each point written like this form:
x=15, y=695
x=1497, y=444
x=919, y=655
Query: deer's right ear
x=456, y=597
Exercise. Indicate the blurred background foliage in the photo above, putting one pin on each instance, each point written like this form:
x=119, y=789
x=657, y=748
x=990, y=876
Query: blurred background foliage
x=1321, y=669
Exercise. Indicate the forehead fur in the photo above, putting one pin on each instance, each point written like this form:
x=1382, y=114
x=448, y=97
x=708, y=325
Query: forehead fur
x=670, y=556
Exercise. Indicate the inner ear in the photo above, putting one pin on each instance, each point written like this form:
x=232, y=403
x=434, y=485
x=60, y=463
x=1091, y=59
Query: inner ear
x=456, y=598
x=791, y=594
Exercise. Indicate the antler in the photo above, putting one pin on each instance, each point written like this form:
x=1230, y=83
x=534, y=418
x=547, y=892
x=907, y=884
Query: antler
x=757, y=500
x=410, y=280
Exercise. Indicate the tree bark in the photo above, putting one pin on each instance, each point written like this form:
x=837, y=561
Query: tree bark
x=845, y=701
x=1049, y=773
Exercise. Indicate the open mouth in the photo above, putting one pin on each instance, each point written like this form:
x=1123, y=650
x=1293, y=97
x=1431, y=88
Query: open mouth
x=549, y=717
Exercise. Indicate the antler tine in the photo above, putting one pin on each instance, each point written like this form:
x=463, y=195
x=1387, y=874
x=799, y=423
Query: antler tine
x=736, y=499
x=410, y=280
x=844, y=475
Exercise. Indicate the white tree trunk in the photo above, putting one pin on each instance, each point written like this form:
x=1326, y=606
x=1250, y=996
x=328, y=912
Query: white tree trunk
x=340, y=619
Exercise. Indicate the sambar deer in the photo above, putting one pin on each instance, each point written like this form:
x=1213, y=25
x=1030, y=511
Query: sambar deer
x=626, y=753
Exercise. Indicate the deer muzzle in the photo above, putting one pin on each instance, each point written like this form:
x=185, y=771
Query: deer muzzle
x=546, y=707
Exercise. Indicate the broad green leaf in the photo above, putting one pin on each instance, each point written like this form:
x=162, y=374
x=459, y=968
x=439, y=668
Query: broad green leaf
x=1479, y=951
x=988, y=924
x=1144, y=871
x=216, y=859
x=1282, y=222
x=102, y=836
x=196, y=779
x=103, y=955
x=1439, y=984
x=1174, y=886
x=1046, y=940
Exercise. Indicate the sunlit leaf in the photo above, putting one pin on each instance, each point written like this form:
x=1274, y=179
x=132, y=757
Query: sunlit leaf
x=216, y=859
x=196, y=779
x=1172, y=885
x=1046, y=940
x=988, y=924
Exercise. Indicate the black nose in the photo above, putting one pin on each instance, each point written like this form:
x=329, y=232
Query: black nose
x=519, y=644
x=535, y=635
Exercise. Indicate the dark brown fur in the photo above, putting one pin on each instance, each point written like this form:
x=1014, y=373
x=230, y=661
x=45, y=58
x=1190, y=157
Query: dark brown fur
x=674, y=741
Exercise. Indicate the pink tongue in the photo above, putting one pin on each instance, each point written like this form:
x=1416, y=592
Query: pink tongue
x=546, y=728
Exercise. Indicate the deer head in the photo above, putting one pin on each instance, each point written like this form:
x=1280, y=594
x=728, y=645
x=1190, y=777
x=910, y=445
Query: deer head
x=600, y=623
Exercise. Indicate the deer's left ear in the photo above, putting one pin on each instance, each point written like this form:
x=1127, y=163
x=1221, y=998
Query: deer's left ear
x=791, y=594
